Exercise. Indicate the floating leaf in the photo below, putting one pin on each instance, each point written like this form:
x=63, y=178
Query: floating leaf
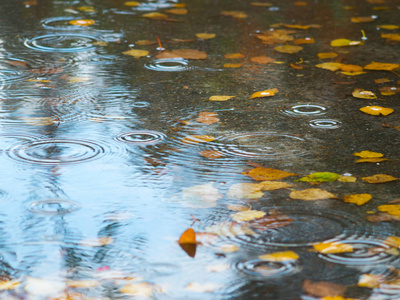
x=40, y=121
x=288, y=49
x=362, y=19
x=235, y=14
x=228, y=248
x=177, y=11
x=9, y=284
x=327, y=55
x=261, y=173
x=371, y=160
x=132, y=3
x=262, y=59
x=245, y=191
x=205, y=36
x=229, y=229
x=393, y=241
x=200, y=196
x=368, y=154
x=234, y=55
x=362, y=94
x=211, y=154
x=193, y=139
x=136, y=53
x=183, y=53
x=381, y=66
x=370, y=280
x=273, y=185
x=344, y=43
x=351, y=68
x=306, y=40
x=188, y=237
x=379, y=178
x=238, y=207
x=248, y=215
x=392, y=209
x=358, y=199
x=381, y=80
x=82, y=283
x=155, y=16
x=343, y=178
x=220, y=98
x=324, y=290
x=89, y=9
x=332, y=247
x=320, y=177
x=207, y=118
x=265, y=93
x=280, y=256
x=82, y=22
x=230, y=65
x=389, y=90
x=311, y=194
x=141, y=289
x=388, y=27
x=377, y=110
x=331, y=66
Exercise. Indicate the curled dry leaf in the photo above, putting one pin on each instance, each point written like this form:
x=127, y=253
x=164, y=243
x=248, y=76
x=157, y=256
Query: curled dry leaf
x=136, y=53
x=332, y=247
x=376, y=110
x=379, y=178
x=267, y=174
x=288, y=49
x=358, y=199
x=362, y=94
x=248, y=215
x=220, y=98
x=265, y=93
x=280, y=256
x=311, y=194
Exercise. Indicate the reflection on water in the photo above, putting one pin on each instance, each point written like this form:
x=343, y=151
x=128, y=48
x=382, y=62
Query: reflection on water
x=107, y=158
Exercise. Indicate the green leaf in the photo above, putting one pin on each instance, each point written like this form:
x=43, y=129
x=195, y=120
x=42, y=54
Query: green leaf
x=320, y=177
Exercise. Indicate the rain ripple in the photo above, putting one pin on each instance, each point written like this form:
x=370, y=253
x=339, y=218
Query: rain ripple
x=325, y=124
x=62, y=42
x=168, y=65
x=53, y=206
x=142, y=137
x=268, y=269
x=304, y=110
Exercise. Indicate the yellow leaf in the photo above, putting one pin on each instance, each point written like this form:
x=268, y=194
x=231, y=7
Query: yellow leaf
x=379, y=178
x=155, y=16
x=82, y=283
x=280, y=256
x=377, y=110
x=353, y=73
x=388, y=27
x=220, y=98
x=229, y=65
x=393, y=241
x=367, y=154
x=311, y=194
x=188, y=237
x=393, y=209
x=9, y=284
x=274, y=185
x=332, y=247
x=370, y=280
x=205, y=36
x=351, y=68
x=331, y=66
x=371, y=160
x=288, y=49
x=141, y=289
x=296, y=26
x=145, y=42
x=177, y=11
x=262, y=59
x=82, y=22
x=40, y=121
x=362, y=94
x=248, y=215
x=303, y=41
x=185, y=53
x=265, y=93
x=234, y=55
x=245, y=191
x=87, y=8
x=180, y=5
x=192, y=139
x=344, y=43
x=358, y=199
x=132, y=3
x=381, y=66
x=261, y=173
x=391, y=36
x=362, y=19
x=347, y=178
x=235, y=14
x=381, y=80
x=238, y=207
x=136, y=53
x=78, y=79
x=228, y=248
x=327, y=55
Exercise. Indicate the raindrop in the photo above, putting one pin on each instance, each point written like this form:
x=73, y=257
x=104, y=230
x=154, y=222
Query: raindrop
x=53, y=206
x=325, y=123
x=56, y=151
x=262, y=268
x=62, y=42
x=168, y=65
x=142, y=137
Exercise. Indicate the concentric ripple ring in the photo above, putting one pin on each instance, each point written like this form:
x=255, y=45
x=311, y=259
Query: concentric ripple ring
x=62, y=42
x=53, y=206
x=142, y=137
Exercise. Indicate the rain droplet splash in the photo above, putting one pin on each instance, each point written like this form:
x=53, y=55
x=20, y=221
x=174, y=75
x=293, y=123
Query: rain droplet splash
x=62, y=42
x=142, y=137
x=268, y=269
x=304, y=110
x=168, y=65
x=325, y=124
x=56, y=151
x=264, y=145
x=53, y=206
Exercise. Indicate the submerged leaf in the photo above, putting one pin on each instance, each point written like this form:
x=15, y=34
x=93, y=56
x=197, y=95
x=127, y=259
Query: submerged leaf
x=235, y=14
x=320, y=177
x=362, y=19
x=193, y=139
x=141, y=289
x=211, y=154
x=280, y=256
x=230, y=65
x=326, y=290
x=155, y=16
x=266, y=93
x=288, y=49
x=205, y=36
x=311, y=194
x=358, y=199
x=261, y=173
x=245, y=191
x=234, y=55
x=377, y=110
x=273, y=185
x=177, y=11
x=208, y=287
x=379, y=178
x=327, y=55
x=262, y=59
x=362, y=94
x=207, y=118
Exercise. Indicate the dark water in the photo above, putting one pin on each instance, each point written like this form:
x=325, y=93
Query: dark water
x=98, y=180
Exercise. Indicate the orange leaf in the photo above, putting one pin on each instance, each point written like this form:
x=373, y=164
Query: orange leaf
x=211, y=154
x=379, y=178
x=207, y=118
x=262, y=59
x=82, y=22
x=333, y=247
x=232, y=65
x=377, y=110
x=234, y=55
x=205, y=36
x=155, y=16
x=235, y=14
x=192, y=139
x=306, y=40
x=362, y=19
x=261, y=173
x=177, y=11
x=265, y=93
x=188, y=237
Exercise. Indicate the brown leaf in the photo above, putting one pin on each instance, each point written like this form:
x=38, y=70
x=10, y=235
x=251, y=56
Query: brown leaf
x=234, y=55
x=211, y=154
x=382, y=217
x=306, y=40
x=207, y=118
x=379, y=178
x=229, y=65
x=177, y=11
x=311, y=194
x=261, y=173
x=235, y=14
x=262, y=59
x=323, y=289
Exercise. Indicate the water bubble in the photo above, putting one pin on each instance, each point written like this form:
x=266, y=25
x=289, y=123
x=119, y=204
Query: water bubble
x=62, y=42
x=53, y=206
x=262, y=268
x=168, y=65
x=325, y=123
x=142, y=137
x=304, y=110
x=56, y=151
